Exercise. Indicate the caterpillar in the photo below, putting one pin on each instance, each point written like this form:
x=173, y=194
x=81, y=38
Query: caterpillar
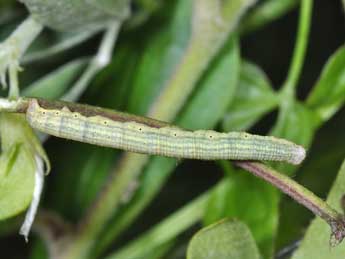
x=142, y=137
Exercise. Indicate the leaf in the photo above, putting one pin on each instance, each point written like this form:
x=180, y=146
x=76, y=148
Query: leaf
x=7, y=160
x=216, y=88
x=163, y=52
x=118, y=8
x=252, y=201
x=266, y=13
x=54, y=84
x=17, y=164
x=229, y=239
x=38, y=250
x=316, y=241
x=328, y=94
x=254, y=98
x=53, y=14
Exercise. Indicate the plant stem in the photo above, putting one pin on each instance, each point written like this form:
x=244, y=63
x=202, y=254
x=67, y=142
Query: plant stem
x=13, y=48
x=299, y=53
x=300, y=194
x=59, y=47
x=24, y=35
x=287, y=92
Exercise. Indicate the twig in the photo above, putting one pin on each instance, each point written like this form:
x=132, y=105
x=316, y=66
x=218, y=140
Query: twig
x=302, y=195
x=100, y=61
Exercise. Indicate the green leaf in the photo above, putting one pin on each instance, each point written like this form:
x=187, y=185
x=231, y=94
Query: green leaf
x=316, y=241
x=55, y=84
x=163, y=52
x=267, y=12
x=254, y=98
x=7, y=160
x=216, y=88
x=328, y=94
x=229, y=239
x=38, y=250
x=54, y=14
x=159, y=252
x=17, y=165
x=252, y=201
x=118, y=8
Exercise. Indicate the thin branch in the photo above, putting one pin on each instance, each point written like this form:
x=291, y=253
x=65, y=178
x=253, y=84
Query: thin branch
x=299, y=53
x=302, y=195
x=101, y=60
x=11, y=51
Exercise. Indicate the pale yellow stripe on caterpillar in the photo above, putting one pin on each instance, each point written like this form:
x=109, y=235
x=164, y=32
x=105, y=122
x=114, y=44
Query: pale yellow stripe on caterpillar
x=166, y=141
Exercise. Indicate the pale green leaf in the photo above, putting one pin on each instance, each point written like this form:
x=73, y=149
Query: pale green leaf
x=163, y=52
x=55, y=84
x=17, y=164
x=65, y=15
x=229, y=239
x=254, y=202
x=328, y=94
x=254, y=98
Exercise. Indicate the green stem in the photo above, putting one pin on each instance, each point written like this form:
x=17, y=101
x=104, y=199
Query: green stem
x=24, y=35
x=59, y=47
x=299, y=53
x=287, y=92
x=13, y=49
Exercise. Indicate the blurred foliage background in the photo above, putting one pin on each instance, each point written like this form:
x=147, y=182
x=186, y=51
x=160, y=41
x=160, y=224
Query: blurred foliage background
x=236, y=92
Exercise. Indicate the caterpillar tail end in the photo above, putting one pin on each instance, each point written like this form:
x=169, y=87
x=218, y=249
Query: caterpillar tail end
x=298, y=156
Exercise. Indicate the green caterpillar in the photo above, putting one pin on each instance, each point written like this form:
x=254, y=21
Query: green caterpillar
x=143, y=137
